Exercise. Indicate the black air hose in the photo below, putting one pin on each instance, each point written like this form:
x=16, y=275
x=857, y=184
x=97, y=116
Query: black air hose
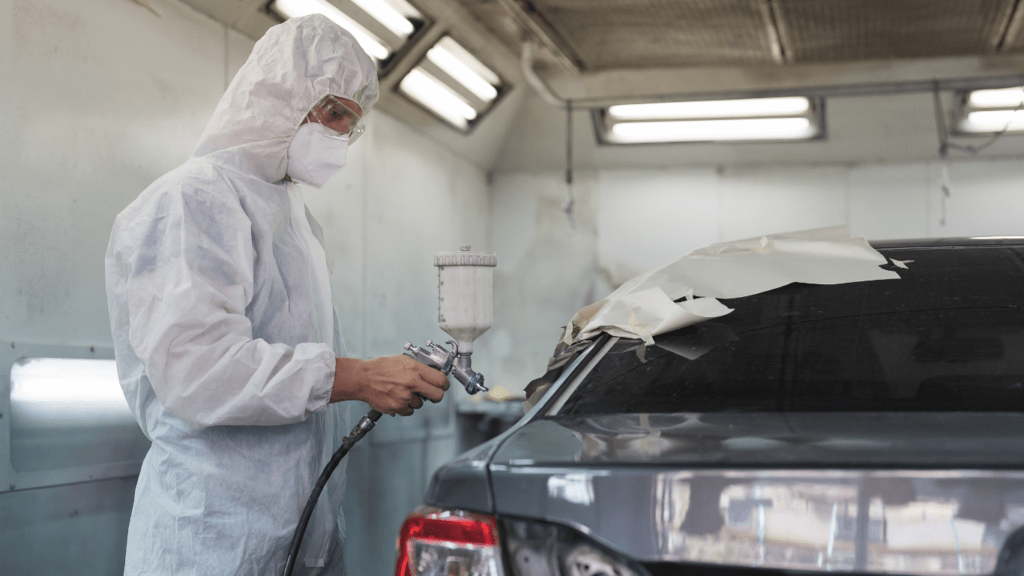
x=365, y=425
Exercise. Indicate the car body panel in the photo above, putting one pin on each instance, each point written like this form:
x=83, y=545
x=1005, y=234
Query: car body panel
x=896, y=521
x=802, y=475
x=791, y=439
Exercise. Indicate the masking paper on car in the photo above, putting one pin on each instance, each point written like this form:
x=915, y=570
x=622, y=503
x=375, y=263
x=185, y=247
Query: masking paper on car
x=645, y=306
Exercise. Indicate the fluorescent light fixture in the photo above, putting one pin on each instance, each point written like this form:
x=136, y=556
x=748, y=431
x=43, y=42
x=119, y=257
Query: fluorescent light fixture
x=373, y=45
x=387, y=15
x=997, y=98
x=708, y=130
x=991, y=110
x=745, y=108
x=453, y=84
x=62, y=390
x=440, y=99
x=747, y=119
x=458, y=63
x=993, y=121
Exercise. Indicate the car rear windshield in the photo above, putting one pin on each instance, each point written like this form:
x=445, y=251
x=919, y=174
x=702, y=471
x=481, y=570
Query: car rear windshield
x=947, y=336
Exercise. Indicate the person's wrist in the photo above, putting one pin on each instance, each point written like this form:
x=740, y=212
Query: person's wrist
x=346, y=379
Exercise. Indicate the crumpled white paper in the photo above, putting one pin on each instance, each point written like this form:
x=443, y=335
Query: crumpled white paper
x=644, y=306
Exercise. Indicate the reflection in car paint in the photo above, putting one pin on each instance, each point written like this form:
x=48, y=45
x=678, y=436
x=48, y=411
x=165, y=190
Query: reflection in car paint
x=575, y=488
x=843, y=521
x=911, y=522
x=920, y=521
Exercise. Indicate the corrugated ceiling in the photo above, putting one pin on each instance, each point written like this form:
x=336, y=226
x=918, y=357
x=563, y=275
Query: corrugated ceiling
x=610, y=34
x=623, y=33
x=838, y=30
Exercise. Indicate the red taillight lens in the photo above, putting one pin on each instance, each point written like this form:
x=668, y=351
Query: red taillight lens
x=441, y=542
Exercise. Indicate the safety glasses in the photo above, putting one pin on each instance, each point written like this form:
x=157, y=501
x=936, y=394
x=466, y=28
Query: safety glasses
x=333, y=113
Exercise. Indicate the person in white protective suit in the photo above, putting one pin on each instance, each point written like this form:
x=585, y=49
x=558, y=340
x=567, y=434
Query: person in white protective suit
x=227, y=342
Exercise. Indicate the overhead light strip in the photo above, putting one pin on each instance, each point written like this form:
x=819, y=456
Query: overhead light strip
x=997, y=98
x=458, y=69
x=373, y=45
x=749, y=119
x=787, y=106
x=994, y=121
x=708, y=130
x=453, y=84
x=388, y=16
x=992, y=110
x=443, y=101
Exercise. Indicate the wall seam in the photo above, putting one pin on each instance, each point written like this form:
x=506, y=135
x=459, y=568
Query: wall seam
x=227, y=57
x=929, y=174
x=364, y=297
x=848, y=175
x=719, y=187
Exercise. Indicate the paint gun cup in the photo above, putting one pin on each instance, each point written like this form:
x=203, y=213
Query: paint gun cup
x=464, y=311
x=464, y=294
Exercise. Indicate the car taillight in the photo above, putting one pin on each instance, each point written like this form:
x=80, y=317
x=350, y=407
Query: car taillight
x=438, y=542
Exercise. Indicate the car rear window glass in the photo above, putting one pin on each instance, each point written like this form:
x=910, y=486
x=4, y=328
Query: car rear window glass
x=947, y=336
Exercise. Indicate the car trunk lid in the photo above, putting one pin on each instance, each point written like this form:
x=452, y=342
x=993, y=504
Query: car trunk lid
x=882, y=492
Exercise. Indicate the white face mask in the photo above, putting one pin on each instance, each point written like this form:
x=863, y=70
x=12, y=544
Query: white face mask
x=315, y=154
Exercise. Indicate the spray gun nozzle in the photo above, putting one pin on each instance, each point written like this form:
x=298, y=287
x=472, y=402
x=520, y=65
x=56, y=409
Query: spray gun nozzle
x=463, y=371
x=476, y=384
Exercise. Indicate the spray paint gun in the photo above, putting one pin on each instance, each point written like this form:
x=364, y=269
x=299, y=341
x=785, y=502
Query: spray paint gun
x=448, y=362
x=464, y=311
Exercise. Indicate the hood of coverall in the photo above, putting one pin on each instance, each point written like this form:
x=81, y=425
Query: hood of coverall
x=291, y=68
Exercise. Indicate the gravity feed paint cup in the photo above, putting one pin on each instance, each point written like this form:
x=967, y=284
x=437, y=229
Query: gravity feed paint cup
x=464, y=294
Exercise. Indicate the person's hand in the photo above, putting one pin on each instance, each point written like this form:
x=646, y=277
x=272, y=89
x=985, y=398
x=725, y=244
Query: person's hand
x=390, y=385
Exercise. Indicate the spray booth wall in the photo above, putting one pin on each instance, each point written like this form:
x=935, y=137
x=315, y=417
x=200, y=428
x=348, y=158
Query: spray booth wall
x=98, y=100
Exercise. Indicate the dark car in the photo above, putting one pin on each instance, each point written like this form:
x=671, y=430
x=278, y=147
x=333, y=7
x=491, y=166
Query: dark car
x=869, y=427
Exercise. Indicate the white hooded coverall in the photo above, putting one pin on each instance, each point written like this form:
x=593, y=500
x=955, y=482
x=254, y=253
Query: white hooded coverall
x=224, y=329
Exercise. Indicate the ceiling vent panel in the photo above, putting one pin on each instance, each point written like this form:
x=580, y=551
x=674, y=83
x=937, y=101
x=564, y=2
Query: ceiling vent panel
x=607, y=34
x=841, y=30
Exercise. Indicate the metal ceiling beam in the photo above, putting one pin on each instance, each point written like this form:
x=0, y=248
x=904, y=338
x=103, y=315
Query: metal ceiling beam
x=531, y=19
x=861, y=89
x=1012, y=29
x=774, y=38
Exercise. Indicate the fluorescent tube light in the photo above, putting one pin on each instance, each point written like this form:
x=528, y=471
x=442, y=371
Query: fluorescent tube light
x=997, y=98
x=786, y=106
x=993, y=121
x=443, y=101
x=388, y=16
x=68, y=390
x=465, y=69
x=710, y=130
x=294, y=8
